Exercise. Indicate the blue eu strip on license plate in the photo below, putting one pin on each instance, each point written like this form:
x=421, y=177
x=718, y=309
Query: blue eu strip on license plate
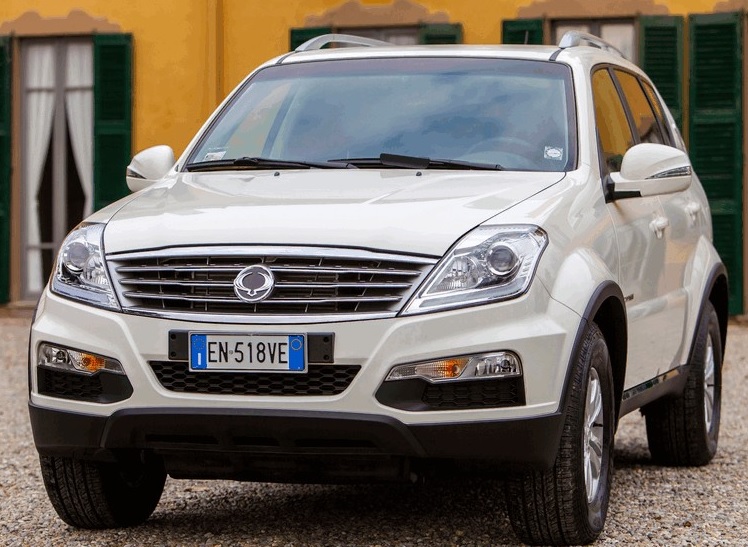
x=248, y=352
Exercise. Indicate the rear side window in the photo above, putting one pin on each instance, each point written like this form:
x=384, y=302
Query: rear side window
x=612, y=124
x=659, y=113
x=643, y=117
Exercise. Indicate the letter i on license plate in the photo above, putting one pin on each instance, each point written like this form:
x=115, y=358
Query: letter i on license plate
x=248, y=352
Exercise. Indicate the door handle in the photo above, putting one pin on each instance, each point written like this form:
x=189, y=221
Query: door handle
x=658, y=226
x=693, y=209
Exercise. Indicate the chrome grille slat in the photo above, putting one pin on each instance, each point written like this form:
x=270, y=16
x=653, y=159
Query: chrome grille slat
x=204, y=269
x=360, y=284
x=175, y=283
x=345, y=270
x=161, y=296
x=312, y=284
x=237, y=269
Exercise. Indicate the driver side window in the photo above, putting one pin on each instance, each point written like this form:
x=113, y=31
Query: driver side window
x=613, y=128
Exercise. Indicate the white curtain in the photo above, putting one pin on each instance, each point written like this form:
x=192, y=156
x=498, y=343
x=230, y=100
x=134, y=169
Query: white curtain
x=79, y=103
x=39, y=72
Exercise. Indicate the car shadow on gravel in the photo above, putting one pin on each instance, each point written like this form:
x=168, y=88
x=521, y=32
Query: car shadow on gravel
x=444, y=512
x=440, y=512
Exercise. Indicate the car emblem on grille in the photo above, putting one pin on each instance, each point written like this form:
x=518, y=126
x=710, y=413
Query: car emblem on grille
x=254, y=284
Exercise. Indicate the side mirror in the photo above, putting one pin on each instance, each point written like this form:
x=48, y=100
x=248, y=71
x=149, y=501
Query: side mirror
x=651, y=170
x=149, y=166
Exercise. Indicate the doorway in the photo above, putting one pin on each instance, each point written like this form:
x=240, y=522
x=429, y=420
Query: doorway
x=56, y=150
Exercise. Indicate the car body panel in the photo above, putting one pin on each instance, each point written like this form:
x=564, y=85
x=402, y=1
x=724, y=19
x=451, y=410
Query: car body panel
x=383, y=209
x=540, y=330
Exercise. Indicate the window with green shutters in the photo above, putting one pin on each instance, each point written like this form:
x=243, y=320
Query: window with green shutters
x=716, y=132
x=4, y=168
x=112, y=116
x=661, y=57
x=522, y=31
x=440, y=34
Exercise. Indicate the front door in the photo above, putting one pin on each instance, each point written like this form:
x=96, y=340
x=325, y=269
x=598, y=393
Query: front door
x=56, y=150
x=642, y=241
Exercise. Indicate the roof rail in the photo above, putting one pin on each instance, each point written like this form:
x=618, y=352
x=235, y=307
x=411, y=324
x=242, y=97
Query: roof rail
x=573, y=38
x=321, y=41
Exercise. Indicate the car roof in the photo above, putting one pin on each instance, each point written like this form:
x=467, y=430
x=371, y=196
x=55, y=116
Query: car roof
x=539, y=53
x=581, y=55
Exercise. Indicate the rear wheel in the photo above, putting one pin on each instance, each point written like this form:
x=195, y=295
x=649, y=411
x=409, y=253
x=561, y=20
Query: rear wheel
x=684, y=430
x=568, y=503
x=97, y=495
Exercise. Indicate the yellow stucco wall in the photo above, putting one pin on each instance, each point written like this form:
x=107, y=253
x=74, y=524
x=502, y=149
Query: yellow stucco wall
x=170, y=60
x=255, y=31
x=189, y=53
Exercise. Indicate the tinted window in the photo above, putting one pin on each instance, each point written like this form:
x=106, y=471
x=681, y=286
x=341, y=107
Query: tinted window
x=612, y=123
x=643, y=116
x=519, y=114
x=659, y=113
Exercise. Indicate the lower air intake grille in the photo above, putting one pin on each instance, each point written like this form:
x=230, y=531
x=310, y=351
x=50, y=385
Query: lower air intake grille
x=477, y=394
x=319, y=380
x=102, y=387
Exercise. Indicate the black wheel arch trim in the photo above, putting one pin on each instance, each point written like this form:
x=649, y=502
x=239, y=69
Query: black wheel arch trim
x=718, y=272
x=615, y=333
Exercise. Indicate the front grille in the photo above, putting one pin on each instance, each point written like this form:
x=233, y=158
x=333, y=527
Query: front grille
x=318, y=380
x=307, y=281
x=477, y=394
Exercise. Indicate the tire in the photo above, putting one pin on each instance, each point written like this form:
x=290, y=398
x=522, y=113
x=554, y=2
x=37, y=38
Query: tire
x=563, y=505
x=98, y=495
x=684, y=430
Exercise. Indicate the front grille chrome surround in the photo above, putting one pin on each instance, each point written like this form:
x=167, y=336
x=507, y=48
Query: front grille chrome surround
x=313, y=284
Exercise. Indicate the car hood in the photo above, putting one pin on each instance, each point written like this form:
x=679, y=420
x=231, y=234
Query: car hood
x=395, y=210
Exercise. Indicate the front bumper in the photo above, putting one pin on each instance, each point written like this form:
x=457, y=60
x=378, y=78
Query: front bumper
x=222, y=443
x=535, y=327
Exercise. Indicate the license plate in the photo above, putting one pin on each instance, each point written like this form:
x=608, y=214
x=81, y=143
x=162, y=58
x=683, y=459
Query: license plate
x=248, y=352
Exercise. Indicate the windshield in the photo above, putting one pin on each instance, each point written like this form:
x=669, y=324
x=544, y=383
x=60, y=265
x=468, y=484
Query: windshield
x=514, y=114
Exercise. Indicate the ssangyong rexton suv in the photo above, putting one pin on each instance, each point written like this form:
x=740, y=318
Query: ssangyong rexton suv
x=372, y=259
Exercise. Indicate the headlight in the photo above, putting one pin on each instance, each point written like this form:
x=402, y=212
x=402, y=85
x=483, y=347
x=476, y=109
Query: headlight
x=490, y=263
x=81, y=271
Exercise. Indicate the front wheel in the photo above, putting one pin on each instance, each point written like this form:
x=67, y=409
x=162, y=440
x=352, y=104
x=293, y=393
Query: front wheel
x=99, y=495
x=568, y=503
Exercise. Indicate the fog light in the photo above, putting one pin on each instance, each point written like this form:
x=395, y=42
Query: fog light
x=76, y=361
x=504, y=363
x=501, y=364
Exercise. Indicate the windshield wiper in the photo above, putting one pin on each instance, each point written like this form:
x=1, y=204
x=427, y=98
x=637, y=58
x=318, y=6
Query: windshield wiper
x=262, y=163
x=417, y=162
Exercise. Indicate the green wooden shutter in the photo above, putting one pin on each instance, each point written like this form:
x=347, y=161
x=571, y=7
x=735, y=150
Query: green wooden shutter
x=661, y=57
x=716, y=133
x=522, y=31
x=4, y=168
x=300, y=35
x=440, y=34
x=112, y=116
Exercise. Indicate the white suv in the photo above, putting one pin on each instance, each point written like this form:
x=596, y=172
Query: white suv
x=377, y=262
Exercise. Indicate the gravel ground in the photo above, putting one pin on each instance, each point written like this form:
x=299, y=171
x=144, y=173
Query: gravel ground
x=650, y=505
